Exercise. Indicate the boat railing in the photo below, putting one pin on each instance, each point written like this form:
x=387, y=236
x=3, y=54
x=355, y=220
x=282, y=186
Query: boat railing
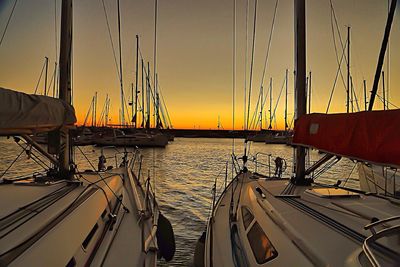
x=148, y=209
x=371, y=241
x=266, y=163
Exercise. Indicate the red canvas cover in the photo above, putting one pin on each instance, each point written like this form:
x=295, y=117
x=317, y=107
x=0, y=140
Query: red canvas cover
x=371, y=136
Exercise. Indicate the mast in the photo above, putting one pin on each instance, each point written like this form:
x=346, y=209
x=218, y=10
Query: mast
x=155, y=68
x=348, y=69
x=46, y=60
x=137, y=78
x=148, y=96
x=286, y=98
x=65, y=148
x=107, y=111
x=157, y=96
x=309, y=94
x=270, y=104
x=383, y=90
x=95, y=109
x=261, y=106
x=365, y=95
x=382, y=53
x=54, y=79
x=245, y=67
x=300, y=85
x=120, y=66
x=143, y=94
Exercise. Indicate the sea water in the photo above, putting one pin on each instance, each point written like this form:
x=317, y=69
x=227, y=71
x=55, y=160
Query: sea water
x=183, y=174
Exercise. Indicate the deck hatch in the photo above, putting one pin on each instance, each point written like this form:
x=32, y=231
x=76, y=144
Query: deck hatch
x=332, y=193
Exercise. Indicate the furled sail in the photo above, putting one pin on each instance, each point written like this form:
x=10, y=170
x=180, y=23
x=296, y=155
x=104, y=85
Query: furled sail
x=22, y=113
x=371, y=136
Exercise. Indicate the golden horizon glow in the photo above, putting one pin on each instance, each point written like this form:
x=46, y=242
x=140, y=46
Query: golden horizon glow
x=194, y=55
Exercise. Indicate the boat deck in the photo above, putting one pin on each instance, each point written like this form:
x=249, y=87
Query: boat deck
x=78, y=222
x=301, y=227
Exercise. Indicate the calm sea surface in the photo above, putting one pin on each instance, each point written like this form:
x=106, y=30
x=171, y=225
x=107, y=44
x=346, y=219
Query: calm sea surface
x=183, y=174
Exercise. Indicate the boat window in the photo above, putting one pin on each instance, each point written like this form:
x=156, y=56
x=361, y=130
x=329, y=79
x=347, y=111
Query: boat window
x=262, y=248
x=247, y=217
x=71, y=263
x=90, y=236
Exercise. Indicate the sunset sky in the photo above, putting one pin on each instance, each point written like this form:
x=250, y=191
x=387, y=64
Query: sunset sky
x=194, y=59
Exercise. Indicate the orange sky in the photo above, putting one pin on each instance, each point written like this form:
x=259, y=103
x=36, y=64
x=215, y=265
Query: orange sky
x=195, y=52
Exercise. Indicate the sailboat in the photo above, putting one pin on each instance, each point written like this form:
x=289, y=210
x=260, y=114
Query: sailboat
x=63, y=217
x=264, y=220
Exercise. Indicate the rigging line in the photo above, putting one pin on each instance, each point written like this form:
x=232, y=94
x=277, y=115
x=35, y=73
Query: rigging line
x=8, y=22
x=253, y=122
x=277, y=102
x=111, y=40
x=269, y=43
x=354, y=94
x=245, y=66
x=155, y=45
x=252, y=60
x=102, y=178
x=348, y=177
x=333, y=17
x=165, y=106
x=163, y=103
x=233, y=77
x=40, y=78
x=12, y=163
x=55, y=28
x=335, y=81
x=35, y=158
x=381, y=98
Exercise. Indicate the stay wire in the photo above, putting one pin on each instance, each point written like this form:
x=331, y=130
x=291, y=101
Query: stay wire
x=233, y=78
x=8, y=22
x=269, y=43
x=252, y=62
x=334, y=19
x=111, y=39
x=101, y=177
x=335, y=81
x=13, y=162
x=40, y=78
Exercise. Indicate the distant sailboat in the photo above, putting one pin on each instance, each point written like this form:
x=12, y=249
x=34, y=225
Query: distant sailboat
x=104, y=217
x=261, y=221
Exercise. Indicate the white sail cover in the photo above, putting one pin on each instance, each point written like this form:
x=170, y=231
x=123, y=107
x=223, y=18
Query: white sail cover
x=22, y=113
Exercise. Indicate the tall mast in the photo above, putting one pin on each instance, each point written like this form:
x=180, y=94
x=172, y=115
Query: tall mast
x=105, y=112
x=95, y=109
x=261, y=106
x=300, y=84
x=309, y=94
x=270, y=104
x=383, y=90
x=365, y=95
x=120, y=66
x=245, y=66
x=157, y=96
x=382, y=53
x=46, y=60
x=54, y=79
x=137, y=78
x=348, y=69
x=286, y=98
x=148, y=96
x=155, y=66
x=65, y=149
x=143, y=123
